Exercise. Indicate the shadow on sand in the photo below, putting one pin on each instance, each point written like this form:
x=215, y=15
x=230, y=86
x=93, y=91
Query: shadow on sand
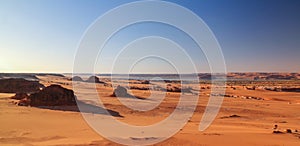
x=129, y=96
x=84, y=108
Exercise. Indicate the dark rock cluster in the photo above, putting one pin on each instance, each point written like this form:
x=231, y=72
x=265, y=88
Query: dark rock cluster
x=20, y=96
x=19, y=85
x=92, y=79
x=53, y=95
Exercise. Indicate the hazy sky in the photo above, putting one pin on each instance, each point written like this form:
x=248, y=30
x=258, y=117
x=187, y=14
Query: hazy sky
x=255, y=35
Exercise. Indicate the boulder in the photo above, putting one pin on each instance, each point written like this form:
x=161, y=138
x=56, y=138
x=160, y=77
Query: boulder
x=19, y=85
x=53, y=95
x=120, y=92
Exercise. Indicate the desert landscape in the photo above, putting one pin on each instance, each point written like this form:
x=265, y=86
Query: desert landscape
x=258, y=109
x=149, y=72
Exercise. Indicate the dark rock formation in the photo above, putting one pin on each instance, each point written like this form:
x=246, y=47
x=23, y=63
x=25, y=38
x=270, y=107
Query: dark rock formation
x=173, y=89
x=145, y=82
x=231, y=116
x=277, y=132
x=280, y=77
x=19, y=85
x=139, y=88
x=251, y=88
x=94, y=79
x=205, y=76
x=120, y=92
x=24, y=102
x=50, y=74
x=20, y=96
x=27, y=76
x=290, y=89
x=54, y=95
x=288, y=131
x=234, y=116
x=77, y=78
x=172, y=81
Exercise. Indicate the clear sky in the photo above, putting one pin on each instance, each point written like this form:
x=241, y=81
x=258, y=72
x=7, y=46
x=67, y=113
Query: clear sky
x=255, y=35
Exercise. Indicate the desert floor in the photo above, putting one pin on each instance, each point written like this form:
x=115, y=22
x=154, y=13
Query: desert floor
x=254, y=124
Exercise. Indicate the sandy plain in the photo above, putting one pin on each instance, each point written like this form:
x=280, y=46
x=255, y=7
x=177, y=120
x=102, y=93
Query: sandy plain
x=241, y=120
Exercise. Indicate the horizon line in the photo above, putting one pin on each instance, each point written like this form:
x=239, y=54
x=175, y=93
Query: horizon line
x=142, y=73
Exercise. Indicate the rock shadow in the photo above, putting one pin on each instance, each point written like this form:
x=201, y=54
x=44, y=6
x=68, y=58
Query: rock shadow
x=84, y=108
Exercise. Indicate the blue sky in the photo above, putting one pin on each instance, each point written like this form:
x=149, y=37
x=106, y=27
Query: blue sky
x=255, y=35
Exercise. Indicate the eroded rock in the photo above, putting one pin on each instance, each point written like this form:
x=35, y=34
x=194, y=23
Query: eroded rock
x=53, y=95
x=120, y=92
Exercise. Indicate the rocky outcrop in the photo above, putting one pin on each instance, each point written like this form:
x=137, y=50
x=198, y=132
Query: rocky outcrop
x=50, y=74
x=263, y=76
x=280, y=77
x=77, y=78
x=179, y=89
x=94, y=79
x=23, y=102
x=120, y=92
x=145, y=82
x=19, y=85
x=27, y=76
x=139, y=88
x=231, y=116
x=290, y=89
x=20, y=96
x=173, y=89
x=54, y=95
